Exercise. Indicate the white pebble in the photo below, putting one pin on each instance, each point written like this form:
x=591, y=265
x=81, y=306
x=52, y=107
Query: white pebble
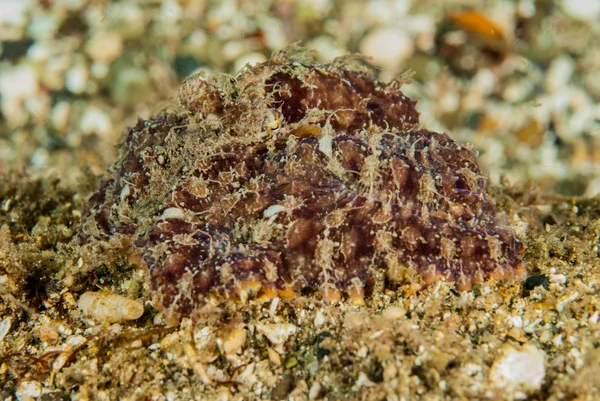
x=130, y=17
x=558, y=278
x=104, y=46
x=96, y=121
x=314, y=391
x=77, y=78
x=19, y=82
x=519, y=370
x=109, y=307
x=60, y=115
x=319, y=319
x=393, y=313
x=484, y=81
x=559, y=73
x=39, y=158
x=389, y=47
x=584, y=10
x=14, y=12
x=364, y=381
x=517, y=321
x=249, y=59
x=43, y=26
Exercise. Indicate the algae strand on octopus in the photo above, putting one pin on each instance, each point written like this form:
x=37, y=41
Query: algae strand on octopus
x=298, y=176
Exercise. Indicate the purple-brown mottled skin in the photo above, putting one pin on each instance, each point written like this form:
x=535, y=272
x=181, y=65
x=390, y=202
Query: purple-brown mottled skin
x=297, y=175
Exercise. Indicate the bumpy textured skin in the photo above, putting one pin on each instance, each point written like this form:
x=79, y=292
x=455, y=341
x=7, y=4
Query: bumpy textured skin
x=297, y=175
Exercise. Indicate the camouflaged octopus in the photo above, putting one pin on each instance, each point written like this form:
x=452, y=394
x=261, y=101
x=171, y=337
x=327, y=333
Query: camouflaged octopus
x=297, y=176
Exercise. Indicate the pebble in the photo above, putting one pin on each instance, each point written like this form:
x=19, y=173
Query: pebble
x=519, y=370
x=389, y=47
x=96, y=121
x=319, y=319
x=132, y=85
x=13, y=12
x=19, y=82
x=108, y=307
x=129, y=16
x=559, y=74
x=105, y=46
x=314, y=391
x=60, y=115
x=248, y=59
x=19, y=87
x=393, y=313
x=49, y=334
x=28, y=390
x=364, y=381
x=583, y=10
x=77, y=78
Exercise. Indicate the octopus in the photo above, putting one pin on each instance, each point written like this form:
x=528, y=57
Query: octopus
x=296, y=177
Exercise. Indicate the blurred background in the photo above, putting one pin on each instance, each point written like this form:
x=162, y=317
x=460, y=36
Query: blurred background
x=519, y=79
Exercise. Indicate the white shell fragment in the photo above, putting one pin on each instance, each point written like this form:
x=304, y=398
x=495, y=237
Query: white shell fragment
x=276, y=333
x=109, y=307
x=234, y=341
x=4, y=327
x=28, y=390
x=519, y=370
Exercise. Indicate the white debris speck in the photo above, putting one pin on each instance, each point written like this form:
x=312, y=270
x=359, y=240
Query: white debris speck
x=276, y=333
x=519, y=370
x=393, y=313
x=325, y=144
x=109, y=307
x=319, y=319
x=273, y=210
x=558, y=278
x=565, y=300
x=172, y=213
x=516, y=321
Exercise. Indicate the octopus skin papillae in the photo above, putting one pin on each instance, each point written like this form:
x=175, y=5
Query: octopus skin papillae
x=293, y=177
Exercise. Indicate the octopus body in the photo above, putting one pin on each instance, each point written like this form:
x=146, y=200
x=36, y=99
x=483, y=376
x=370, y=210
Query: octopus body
x=297, y=176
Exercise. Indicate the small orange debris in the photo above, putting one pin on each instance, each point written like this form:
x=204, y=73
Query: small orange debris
x=306, y=130
x=477, y=23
